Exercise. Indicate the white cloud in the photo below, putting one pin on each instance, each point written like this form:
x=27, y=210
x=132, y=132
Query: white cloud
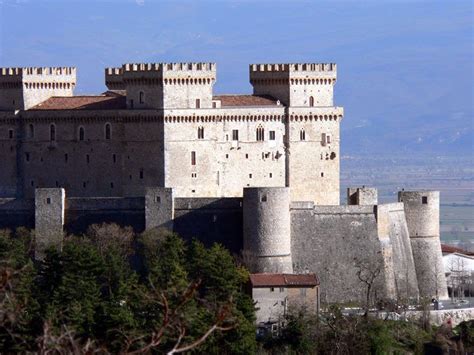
x=140, y=2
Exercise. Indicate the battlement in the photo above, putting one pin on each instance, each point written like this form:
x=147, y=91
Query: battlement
x=161, y=67
x=37, y=71
x=293, y=67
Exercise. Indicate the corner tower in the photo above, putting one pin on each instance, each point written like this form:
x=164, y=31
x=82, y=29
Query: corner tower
x=23, y=88
x=267, y=229
x=422, y=216
x=311, y=129
x=164, y=85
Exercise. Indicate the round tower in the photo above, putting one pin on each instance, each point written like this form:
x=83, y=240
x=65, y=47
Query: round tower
x=267, y=232
x=422, y=216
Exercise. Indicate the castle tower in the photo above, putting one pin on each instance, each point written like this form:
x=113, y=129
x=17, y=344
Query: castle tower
x=295, y=85
x=164, y=85
x=23, y=88
x=312, y=136
x=267, y=232
x=159, y=208
x=49, y=219
x=362, y=196
x=422, y=216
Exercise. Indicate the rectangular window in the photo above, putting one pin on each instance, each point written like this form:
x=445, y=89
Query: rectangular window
x=10, y=133
x=272, y=135
x=250, y=176
x=282, y=289
x=66, y=157
x=424, y=200
x=328, y=139
x=303, y=292
x=27, y=156
x=193, y=158
x=235, y=135
x=272, y=289
x=141, y=173
x=198, y=103
x=114, y=158
x=88, y=159
x=323, y=138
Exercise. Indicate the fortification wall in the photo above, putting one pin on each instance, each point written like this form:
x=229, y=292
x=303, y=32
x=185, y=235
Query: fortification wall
x=210, y=220
x=391, y=224
x=336, y=242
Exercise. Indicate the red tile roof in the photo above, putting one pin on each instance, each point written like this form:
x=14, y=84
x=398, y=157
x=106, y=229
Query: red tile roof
x=449, y=249
x=280, y=280
x=82, y=103
x=246, y=100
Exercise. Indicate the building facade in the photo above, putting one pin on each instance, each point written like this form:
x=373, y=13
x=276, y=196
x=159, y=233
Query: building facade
x=161, y=125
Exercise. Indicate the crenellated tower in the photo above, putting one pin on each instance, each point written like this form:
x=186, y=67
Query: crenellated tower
x=164, y=85
x=295, y=85
x=23, y=88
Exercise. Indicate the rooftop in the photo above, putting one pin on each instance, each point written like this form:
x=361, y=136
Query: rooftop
x=246, y=100
x=102, y=102
x=280, y=280
x=449, y=249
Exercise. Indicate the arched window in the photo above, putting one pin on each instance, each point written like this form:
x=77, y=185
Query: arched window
x=311, y=101
x=31, y=131
x=201, y=133
x=302, y=135
x=81, y=133
x=260, y=133
x=142, y=97
x=108, y=131
x=52, y=132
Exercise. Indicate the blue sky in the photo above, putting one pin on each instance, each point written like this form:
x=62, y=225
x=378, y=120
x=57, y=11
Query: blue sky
x=403, y=66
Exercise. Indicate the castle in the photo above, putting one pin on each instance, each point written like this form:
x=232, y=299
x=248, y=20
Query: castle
x=258, y=173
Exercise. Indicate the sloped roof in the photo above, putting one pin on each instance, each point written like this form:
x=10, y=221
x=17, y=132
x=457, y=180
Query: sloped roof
x=101, y=102
x=246, y=100
x=281, y=280
x=448, y=249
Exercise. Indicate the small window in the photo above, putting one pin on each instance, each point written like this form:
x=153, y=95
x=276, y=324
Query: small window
x=272, y=135
x=424, y=200
x=282, y=289
x=302, y=135
x=303, y=292
x=260, y=133
x=57, y=184
x=246, y=156
x=235, y=135
x=271, y=175
x=10, y=133
x=263, y=198
x=31, y=131
x=328, y=139
x=193, y=158
x=214, y=105
x=52, y=132
x=66, y=158
x=48, y=201
x=322, y=174
x=272, y=289
x=88, y=159
x=227, y=156
x=27, y=156
x=198, y=103
x=142, y=97
x=114, y=158
x=81, y=133
x=141, y=173
x=84, y=184
x=157, y=199
x=108, y=131
x=111, y=185
x=201, y=133
x=250, y=176
x=32, y=183
x=311, y=101
x=323, y=138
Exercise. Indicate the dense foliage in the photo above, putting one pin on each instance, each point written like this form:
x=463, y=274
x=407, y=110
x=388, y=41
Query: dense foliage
x=112, y=291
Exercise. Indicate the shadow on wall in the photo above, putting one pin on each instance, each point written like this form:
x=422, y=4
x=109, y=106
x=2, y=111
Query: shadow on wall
x=210, y=220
